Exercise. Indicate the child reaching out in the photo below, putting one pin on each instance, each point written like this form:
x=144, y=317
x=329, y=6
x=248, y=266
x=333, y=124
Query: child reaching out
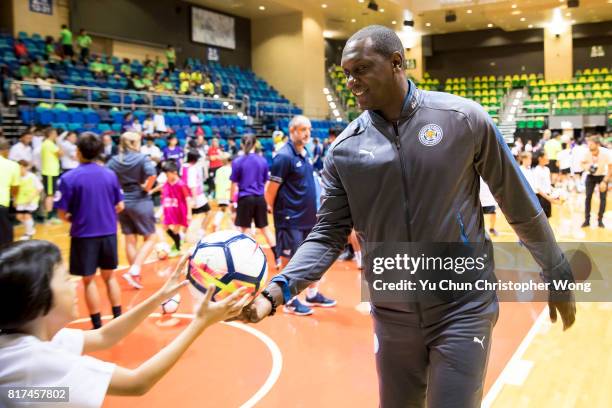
x=38, y=300
x=27, y=198
x=175, y=202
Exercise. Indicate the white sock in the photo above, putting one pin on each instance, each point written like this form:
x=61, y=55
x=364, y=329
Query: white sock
x=29, y=226
x=358, y=258
x=218, y=218
x=312, y=292
x=135, y=270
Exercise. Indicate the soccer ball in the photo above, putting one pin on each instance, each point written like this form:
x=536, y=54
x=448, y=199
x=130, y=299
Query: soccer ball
x=171, y=305
x=229, y=260
x=162, y=250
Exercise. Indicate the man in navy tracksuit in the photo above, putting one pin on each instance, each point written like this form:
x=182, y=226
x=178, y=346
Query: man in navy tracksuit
x=407, y=170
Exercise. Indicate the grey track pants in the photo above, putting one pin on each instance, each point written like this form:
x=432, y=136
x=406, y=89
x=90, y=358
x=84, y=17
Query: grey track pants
x=441, y=365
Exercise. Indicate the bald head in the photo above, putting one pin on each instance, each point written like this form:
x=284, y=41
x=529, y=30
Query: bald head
x=383, y=40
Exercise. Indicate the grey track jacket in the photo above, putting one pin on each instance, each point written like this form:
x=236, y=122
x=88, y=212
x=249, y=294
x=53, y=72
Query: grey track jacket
x=417, y=180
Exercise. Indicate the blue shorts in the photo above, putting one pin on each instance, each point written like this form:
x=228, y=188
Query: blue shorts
x=89, y=254
x=288, y=240
x=138, y=218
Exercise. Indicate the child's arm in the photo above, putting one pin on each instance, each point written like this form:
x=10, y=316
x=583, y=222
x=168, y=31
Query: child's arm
x=120, y=327
x=156, y=189
x=140, y=380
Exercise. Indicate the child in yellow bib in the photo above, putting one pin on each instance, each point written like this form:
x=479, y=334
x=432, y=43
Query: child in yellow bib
x=28, y=198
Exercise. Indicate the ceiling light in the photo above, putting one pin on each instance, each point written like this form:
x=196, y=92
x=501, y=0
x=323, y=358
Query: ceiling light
x=530, y=26
x=230, y=107
x=353, y=20
x=382, y=10
x=514, y=6
x=489, y=25
x=523, y=19
x=329, y=98
x=262, y=8
x=332, y=105
x=225, y=103
x=469, y=11
x=428, y=24
x=394, y=22
x=573, y=21
x=568, y=14
x=361, y=1
x=324, y=5
x=325, y=91
x=338, y=119
x=336, y=112
x=516, y=12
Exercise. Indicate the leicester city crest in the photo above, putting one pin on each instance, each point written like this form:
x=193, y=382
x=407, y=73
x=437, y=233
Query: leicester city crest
x=430, y=135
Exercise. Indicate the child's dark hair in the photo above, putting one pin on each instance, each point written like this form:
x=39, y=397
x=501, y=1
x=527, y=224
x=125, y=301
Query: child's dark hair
x=90, y=145
x=169, y=165
x=26, y=270
x=193, y=156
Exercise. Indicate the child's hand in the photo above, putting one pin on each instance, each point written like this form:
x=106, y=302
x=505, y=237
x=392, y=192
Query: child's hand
x=176, y=280
x=209, y=313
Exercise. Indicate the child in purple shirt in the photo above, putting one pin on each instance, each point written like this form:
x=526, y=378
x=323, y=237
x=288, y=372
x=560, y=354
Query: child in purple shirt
x=91, y=208
x=173, y=151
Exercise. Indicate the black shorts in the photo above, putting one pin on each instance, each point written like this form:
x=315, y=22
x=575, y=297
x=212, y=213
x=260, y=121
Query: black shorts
x=565, y=171
x=89, y=254
x=68, y=50
x=546, y=206
x=288, y=240
x=202, y=210
x=552, y=165
x=138, y=218
x=6, y=227
x=84, y=53
x=252, y=208
x=489, y=209
x=578, y=173
x=50, y=184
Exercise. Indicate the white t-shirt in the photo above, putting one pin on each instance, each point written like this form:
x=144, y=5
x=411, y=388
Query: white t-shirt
x=564, y=159
x=152, y=151
x=26, y=361
x=578, y=154
x=69, y=159
x=148, y=126
x=486, y=198
x=604, y=158
x=528, y=173
x=194, y=179
x=19, y=151
x=160, y=123
x=541, y=176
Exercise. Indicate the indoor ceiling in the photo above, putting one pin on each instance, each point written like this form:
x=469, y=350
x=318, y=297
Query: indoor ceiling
x=343, y=17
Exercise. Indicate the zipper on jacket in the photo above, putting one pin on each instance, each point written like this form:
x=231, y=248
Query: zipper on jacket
x=398, y=145
x=399, y=153
x=464, y=237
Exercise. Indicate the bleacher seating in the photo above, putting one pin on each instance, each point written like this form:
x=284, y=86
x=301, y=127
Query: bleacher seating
x=232, y=79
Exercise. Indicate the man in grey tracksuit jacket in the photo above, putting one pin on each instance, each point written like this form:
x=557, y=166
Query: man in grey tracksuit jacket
x=416, y=179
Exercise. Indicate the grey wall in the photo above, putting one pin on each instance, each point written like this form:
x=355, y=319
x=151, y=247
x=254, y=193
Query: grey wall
x=158, y=22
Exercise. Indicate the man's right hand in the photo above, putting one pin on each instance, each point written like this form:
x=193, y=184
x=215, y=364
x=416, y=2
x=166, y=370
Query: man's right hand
x=256, y=311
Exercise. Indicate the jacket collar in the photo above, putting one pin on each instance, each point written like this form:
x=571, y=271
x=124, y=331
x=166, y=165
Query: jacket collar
x=411, y=103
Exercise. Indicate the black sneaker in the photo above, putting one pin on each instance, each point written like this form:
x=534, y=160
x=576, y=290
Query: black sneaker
x=600, y=224
x=585, y=224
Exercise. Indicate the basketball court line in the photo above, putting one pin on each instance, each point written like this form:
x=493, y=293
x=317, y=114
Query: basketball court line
x=277, y=356
x=514, y=362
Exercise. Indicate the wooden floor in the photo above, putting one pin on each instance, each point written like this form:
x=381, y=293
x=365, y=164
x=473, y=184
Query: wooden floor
x=327, y=359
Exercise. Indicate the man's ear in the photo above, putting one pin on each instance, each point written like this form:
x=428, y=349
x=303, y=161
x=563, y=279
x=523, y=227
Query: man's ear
x=398, y=61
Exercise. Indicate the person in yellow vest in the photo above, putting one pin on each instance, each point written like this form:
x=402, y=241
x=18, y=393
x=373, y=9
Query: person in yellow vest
x=171, y=58
x=50, y=154
x=28, y=198
x=196, y=76
x=9, y=187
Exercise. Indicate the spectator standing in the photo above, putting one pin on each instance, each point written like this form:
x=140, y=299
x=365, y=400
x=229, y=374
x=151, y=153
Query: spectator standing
x=9, y=187
x=66, y=41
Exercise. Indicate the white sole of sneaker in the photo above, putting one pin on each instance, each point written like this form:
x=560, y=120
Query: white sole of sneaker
x=307, y=303
x=291, y=311
x=131, y=282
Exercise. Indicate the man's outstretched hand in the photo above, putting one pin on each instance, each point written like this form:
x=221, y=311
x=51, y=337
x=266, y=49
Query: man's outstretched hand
x=565, y=307
x=255, y=311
